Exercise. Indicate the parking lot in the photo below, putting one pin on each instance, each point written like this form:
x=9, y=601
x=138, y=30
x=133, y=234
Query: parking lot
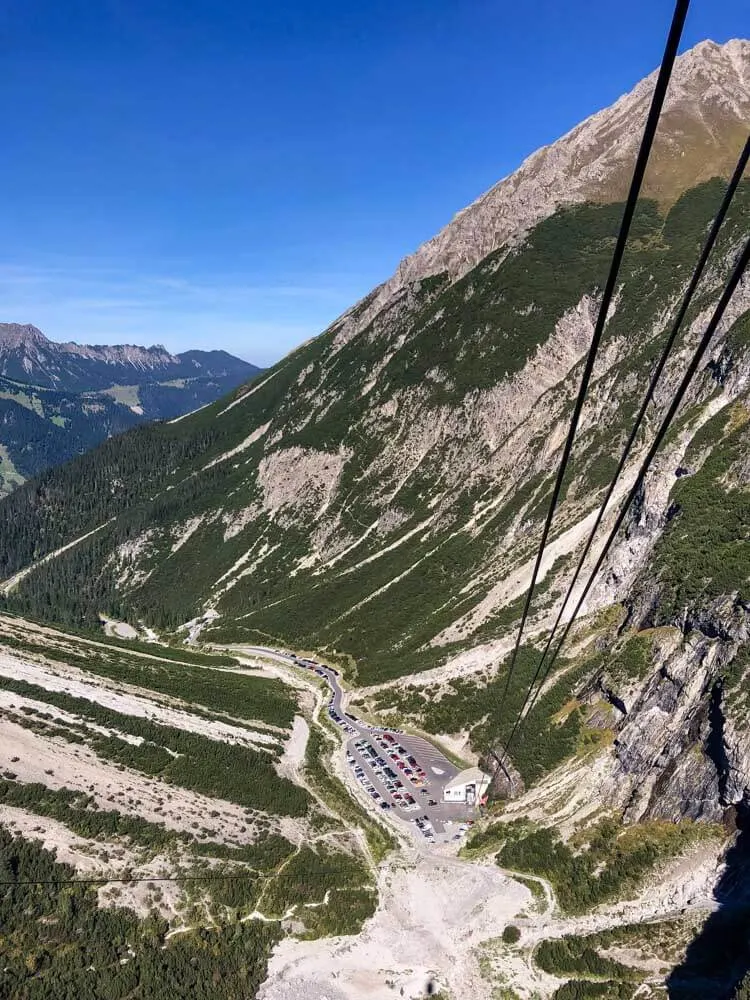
x=404, y=775
x=400, y=774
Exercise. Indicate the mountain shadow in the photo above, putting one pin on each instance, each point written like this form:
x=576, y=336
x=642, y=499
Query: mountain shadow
x=717, y=961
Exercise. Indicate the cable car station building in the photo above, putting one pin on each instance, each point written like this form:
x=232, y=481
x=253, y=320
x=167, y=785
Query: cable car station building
x=468, y=786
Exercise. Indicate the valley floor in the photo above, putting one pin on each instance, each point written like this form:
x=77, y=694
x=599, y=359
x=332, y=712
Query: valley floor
x=440, y=921
x=80, y=719
x=433, y=913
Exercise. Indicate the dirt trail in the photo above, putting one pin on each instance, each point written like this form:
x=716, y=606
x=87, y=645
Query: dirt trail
x=59, y=639
x=6, y=586
x=549, y=895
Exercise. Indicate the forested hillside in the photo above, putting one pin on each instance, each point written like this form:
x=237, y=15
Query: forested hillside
x=177, y=784
x=59, y=400
x=379, y=498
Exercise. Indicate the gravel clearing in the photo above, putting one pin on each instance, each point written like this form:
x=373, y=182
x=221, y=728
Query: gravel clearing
x=432, y=915
x=80, y=685
x=293, y=757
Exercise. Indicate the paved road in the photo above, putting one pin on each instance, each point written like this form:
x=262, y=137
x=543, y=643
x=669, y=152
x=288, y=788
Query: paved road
x=445, y=818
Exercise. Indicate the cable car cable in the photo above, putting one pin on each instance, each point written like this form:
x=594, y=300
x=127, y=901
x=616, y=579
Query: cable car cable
x=644, y=150
x=734, y=280
x=687, y=299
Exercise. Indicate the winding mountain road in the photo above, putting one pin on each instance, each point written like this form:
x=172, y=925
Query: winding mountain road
x=445, y=817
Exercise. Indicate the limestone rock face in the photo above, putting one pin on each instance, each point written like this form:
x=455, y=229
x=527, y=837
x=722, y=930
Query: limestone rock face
x=705, y=119
x=681, y=750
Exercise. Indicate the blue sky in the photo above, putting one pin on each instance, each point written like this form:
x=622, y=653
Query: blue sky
x=215, y=173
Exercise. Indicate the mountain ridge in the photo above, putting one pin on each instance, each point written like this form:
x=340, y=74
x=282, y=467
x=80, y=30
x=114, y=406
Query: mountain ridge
x=26, y=350
x=58, y=399
x=549, y=178
x=377, y=498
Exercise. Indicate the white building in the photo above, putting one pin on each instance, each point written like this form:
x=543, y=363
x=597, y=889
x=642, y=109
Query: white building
x=468, y=786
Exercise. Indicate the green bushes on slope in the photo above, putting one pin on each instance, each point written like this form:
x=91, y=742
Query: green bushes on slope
x=212, y=767
x=59, y=945
x=571, y=956
x=585, y=989
x=550, y=731
x=704, y=552
x=612, y=861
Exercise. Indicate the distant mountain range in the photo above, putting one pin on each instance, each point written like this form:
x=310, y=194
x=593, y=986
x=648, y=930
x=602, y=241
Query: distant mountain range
x=59, y=400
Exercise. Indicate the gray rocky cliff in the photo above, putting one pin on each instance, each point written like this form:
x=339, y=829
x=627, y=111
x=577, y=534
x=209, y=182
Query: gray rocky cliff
x=708, y=100
x=681, y=750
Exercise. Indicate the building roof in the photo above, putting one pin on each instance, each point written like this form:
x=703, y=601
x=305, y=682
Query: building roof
x=471, y=776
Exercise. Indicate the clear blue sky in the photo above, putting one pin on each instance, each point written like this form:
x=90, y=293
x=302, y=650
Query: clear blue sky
x=230, y=173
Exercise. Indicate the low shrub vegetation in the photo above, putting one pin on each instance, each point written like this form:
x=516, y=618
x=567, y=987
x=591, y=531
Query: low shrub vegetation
x=212, y=767
x=608, y=861
x=338, y=798
x=511, y=934
x=58, y=943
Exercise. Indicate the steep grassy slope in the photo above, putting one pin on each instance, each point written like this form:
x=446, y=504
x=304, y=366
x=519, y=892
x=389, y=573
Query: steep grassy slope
x=380, y=497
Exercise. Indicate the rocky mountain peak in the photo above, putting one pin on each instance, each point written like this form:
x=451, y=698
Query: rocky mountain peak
x=19, y=335
x=57, y=400
x=710, y=73
x=705, y=120
x=122, y=354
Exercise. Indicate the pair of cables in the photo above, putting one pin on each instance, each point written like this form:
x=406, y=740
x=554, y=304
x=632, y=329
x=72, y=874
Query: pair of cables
x=542, y=671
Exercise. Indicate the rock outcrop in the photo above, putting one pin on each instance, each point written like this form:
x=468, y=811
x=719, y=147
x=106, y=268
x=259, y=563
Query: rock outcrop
x=706, y=115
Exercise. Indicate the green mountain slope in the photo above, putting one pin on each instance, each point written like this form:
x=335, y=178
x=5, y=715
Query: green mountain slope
x=380, y=497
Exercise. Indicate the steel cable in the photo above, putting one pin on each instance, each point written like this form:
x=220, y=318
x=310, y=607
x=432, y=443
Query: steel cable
x=649, y=133
x=685, y=305
x=734, y=280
